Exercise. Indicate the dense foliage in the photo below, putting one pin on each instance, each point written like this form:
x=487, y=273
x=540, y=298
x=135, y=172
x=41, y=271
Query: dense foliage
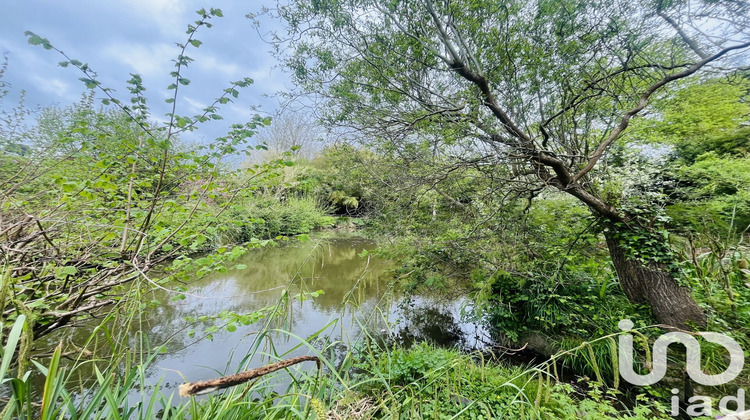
x=561, y=163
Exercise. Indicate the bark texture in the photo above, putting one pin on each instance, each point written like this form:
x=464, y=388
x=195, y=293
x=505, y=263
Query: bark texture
x=202, y=387
x=652, y=283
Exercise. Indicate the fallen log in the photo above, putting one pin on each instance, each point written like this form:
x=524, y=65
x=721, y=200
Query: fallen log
x=203, y=387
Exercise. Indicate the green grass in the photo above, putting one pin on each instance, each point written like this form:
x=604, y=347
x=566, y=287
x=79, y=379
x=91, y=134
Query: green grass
x=373, y=381
x=369, y=380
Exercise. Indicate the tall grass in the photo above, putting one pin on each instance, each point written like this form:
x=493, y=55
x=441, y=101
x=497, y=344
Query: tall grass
x=363, y=377
x=372, y=382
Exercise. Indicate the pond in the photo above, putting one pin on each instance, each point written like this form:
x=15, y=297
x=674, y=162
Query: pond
x=358, y=294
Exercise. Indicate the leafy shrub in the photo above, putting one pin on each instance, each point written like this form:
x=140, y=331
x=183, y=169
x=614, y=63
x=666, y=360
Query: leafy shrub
x=569, y=302
x=267, y=217
x=429, y=382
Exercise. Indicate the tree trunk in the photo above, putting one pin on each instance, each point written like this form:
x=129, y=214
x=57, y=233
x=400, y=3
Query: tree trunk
x=652, y=283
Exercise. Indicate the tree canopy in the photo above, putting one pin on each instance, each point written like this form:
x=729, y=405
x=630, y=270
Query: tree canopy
x=545, y=88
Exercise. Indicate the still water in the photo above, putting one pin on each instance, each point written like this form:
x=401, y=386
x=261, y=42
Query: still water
x=358, y=294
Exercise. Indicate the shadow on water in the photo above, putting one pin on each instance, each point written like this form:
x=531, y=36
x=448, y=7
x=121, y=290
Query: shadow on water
x=358, y=293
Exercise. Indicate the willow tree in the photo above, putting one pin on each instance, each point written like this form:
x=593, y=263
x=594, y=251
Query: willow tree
x=548, y=87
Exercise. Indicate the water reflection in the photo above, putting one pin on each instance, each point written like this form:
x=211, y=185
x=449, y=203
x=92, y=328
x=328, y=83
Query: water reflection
x=353, y=287
x=358, y=293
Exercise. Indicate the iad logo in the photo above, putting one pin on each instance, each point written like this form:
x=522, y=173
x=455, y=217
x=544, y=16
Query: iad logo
x=692, y=366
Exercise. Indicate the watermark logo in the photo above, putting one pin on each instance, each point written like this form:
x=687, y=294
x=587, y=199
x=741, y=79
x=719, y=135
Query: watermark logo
x=692, y=366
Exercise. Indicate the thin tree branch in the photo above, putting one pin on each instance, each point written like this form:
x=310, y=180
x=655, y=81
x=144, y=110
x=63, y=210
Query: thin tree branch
x=689, y=41
x=643, y=101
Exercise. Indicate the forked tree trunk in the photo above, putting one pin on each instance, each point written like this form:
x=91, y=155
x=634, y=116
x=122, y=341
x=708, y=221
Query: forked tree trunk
x=652, y=283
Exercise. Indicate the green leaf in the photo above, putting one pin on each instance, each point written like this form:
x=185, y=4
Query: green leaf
x=51, y=385
x=35, y=39
x=90, y=83
x=63, y=272
x=69, y=186
x=195, y=43
x=10, y=345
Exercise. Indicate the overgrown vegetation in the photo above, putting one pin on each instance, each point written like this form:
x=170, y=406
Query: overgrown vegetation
x=604, y=178
x=375, y=382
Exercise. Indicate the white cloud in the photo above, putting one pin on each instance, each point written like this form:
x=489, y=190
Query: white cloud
x=269, y=80
x=241, y=113
x=167, y=14
x=53, y=86
x=146, y=60
x=210, y=63
x=159, y=8
x=195, y=106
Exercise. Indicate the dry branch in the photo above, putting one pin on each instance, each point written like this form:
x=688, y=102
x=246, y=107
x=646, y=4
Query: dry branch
x=202, y=387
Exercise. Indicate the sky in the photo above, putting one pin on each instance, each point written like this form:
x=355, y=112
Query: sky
x=119, y=37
